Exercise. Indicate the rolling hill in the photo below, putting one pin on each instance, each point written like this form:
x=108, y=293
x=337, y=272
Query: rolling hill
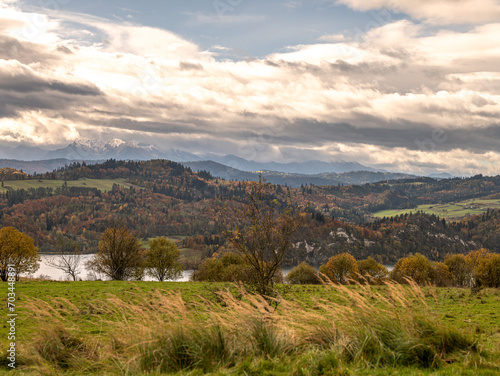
x=165, y=198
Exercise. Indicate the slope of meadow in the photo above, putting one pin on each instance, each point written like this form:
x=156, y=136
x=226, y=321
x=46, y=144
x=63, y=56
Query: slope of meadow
x=450, y=211
x=137, y=328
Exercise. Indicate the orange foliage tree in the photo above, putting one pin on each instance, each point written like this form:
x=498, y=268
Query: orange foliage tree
x=17, y=249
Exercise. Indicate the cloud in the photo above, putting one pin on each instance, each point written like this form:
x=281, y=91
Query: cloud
x=293, y=4
x=379, y=99
x=435, y=11
x=332, y=38
x=223, y=19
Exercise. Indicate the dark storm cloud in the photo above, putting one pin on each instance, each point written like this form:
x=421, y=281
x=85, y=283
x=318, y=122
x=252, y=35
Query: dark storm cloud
x=15, y=78
x=24, y=52
x=64, y=50
x=165, y=127
x=75, y=89
x=186, y=66
x=412, y=136
x=21, y=89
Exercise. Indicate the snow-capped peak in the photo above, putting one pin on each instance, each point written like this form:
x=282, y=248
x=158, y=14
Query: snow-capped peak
x=117, y=149
x=116, y=142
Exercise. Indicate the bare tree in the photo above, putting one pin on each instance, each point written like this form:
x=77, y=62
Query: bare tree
x=262, y=234
x=68, y=257
x=120, y=255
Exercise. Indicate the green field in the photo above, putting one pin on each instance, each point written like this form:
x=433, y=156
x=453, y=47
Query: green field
x=101, y=184
x=453, y=210
x=141, y=328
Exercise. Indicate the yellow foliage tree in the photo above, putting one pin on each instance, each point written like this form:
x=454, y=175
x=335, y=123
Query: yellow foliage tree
x=417, y=267
x=371, y=271
x=341, y=268
x=486, y=267
x=18, y=250
x=461, y=269
x=162, y=259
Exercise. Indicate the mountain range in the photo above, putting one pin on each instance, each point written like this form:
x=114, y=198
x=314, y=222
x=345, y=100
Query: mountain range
x=34, y=159
x=92, y=150
x=295, y=179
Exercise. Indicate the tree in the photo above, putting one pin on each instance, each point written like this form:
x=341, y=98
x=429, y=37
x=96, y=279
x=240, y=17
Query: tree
x=340, y=268
x=68, y=258
x=372, y=270
x=417, y=267
x=17, y=249
x=262, y=235
x=461, y=270
x=442, y=276
x=230, y=267
x=488, y=271
x=477, y=259
x=162, y=259
x=303, y=274
x=486, y=266
x=120, y=254
x=210, y=270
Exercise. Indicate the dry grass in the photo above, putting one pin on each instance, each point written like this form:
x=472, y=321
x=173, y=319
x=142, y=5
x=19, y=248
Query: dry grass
x=372, y=327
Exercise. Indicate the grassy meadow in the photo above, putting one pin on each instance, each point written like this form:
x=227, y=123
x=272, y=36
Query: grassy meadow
x=150, y=328
x=101, y=184
x=454, y=210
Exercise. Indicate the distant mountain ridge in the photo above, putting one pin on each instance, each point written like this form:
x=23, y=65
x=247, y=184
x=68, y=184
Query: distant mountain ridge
x=295, y=179
x=91, y=151
x=117, y=149
x=306, y=167
x=40, y=166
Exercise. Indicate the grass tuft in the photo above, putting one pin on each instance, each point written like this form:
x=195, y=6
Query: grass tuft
x=64, y=350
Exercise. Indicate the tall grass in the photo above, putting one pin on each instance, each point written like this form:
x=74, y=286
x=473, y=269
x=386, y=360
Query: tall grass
x=159, y=332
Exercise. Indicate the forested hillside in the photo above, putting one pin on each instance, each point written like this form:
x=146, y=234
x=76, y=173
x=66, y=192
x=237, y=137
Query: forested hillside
x=165, y=198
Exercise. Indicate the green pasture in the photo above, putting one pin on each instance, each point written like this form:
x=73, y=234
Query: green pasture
x=451, y=211
x=101, y=184
x=67, y=322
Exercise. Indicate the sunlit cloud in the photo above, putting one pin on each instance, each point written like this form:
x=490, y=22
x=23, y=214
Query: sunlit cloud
x=377, y=100
x=435, y=11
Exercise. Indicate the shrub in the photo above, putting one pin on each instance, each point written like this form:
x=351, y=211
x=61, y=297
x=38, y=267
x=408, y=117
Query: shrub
x=488, y=271
x=441, y=274
x=303, y=274
x=231, y=267
x=210, y=270
x=417, y=267
x=372, y=271
x=341, y=268
x=461, y=270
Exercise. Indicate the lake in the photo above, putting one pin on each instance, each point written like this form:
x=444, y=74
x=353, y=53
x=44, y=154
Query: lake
x=49, y=272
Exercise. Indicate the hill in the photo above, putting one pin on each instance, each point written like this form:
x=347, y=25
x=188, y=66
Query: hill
x=165, y=198
x=450, y=210
x=40, y=166
x=11, y=174
x=294, y=179
x=307, y=167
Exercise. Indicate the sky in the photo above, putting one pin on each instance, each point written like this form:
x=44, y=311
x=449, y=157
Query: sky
x=404, y=85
